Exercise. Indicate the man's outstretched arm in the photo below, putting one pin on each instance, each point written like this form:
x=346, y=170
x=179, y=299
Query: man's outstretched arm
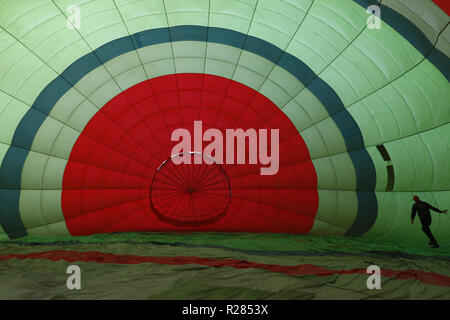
x=436, y=209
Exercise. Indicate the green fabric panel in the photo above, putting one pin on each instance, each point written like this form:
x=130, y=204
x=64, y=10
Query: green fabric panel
x=345, y=172
x=373, y=125
x=31, y=209
x=41, y=212
x=349, y=81
x=57, y=229
x=346, y=210
x=51, y=205
x=255, y=63
x=315, y=142
x=412, y=164
x=326, y=173
x=130, y=78
x=64, y=142
x=122, y=64
x=155, y=52
x=286, y=81
x=219, y=68
x=441, y=222
x=387, y=50
x=432, y=92
x=103, y=94
x=194, y=12
x=335, y=142
x=67, y=105
x=54, y=138
x=189, y=49
x=444, y=132
x=53, y=174
x=251, y=78
x=312, y=106
x=278, y=95
x=395, y=227
x=297, y=114
x=41, y=231
x=17, y=61
x=325, y=32
x=33, y=171
x=222, y=52
x=90, y=83
x=327, y=209
x=81, y=115
x=100, y=21
x=335, y=172
x=381, y=121
x=42, y=28
x=423, y=163
x=363, y=67
x=418, y=102
x=11, y=112
x=160, y=68
x=142, y=14
x=436, y=145
x=45, y=138
x=232, y=14
x=41, y=208
x=189, y=65
x=155, y=60
x=277, y=20
x=321, y=228
x=398, y=228
x=337, y=209
x=390, y=52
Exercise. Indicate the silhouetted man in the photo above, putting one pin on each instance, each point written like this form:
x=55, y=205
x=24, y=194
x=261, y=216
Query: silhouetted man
x=423, y=209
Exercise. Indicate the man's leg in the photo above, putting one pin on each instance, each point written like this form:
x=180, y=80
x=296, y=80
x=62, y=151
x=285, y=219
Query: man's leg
x=427, y=231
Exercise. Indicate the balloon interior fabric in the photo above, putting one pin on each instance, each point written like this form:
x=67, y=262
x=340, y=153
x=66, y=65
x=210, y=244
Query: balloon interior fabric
x=276, y=128
x=266, y=117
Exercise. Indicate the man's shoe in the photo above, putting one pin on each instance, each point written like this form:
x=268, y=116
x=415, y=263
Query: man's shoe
x=435, y=245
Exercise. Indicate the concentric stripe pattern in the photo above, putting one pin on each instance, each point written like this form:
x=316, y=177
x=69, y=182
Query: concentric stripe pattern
x=347, y=89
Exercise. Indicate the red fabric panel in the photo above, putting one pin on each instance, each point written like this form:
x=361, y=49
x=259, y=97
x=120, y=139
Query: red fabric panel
x=444, y=4
x=106, y=185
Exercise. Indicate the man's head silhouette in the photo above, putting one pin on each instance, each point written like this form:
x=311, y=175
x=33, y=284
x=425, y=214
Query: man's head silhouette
x=416, y=198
